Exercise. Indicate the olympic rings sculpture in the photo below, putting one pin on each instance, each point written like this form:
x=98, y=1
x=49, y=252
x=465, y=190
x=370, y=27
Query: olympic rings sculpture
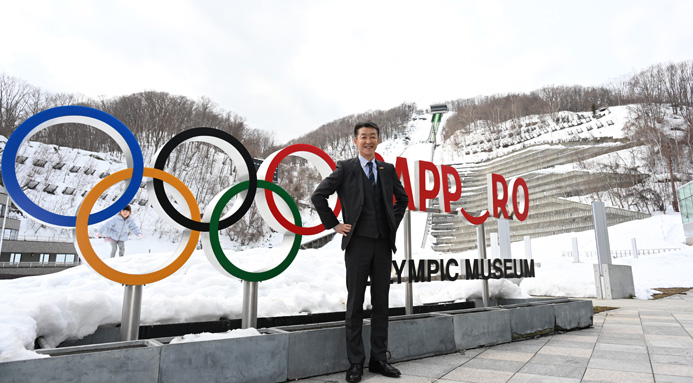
x=161, y=183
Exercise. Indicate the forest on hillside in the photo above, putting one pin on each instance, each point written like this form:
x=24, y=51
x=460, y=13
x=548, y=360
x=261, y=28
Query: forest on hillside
x=658, y=86
x=659, y=99
x=154, y=117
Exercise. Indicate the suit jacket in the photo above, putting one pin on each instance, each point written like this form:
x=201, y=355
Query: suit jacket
x=347, y=181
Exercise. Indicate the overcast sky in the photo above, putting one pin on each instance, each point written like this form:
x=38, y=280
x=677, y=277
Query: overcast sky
x=290, y=66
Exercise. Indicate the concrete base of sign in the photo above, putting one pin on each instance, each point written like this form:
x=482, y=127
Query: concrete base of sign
x=482, y=327
x=294, y=352
x=617, y=282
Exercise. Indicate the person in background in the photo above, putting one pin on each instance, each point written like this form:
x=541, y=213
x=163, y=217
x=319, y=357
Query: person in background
x=116, y=230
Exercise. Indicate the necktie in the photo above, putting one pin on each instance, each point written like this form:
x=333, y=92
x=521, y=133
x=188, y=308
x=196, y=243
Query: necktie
x=371, y=176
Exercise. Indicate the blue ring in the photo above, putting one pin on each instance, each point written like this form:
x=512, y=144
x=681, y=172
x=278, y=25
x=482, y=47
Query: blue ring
x=14, y=190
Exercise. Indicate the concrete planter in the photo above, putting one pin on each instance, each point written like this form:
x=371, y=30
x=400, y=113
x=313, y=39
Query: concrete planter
x=127, y=362
x=258, y=359
x=422, y=335
x=481, y=328
x=294, y=352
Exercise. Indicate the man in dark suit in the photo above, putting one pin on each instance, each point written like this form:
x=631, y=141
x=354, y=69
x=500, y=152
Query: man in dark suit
x=365, y=188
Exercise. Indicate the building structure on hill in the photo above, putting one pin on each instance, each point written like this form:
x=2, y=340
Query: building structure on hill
x=551, y=210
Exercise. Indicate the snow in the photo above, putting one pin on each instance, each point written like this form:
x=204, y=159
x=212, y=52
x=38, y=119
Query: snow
x=74, y=303
x=209, y=336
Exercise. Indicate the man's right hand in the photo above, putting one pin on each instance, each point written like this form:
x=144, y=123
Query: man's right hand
x=343, y=228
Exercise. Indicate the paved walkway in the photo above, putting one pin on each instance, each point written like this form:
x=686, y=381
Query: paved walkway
x=642, y=341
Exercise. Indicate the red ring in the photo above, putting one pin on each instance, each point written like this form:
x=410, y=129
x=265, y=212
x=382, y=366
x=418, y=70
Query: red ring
x=312, y=230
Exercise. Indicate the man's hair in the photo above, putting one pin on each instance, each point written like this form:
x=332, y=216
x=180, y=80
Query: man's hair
x=366, y=124
x=127, y=208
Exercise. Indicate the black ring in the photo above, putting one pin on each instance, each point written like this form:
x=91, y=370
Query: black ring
x=160, y=192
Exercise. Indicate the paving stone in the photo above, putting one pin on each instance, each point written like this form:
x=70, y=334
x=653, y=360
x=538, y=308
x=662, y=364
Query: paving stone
x=621, y=335
x=670, y=350
x=617, y=355
x=577, y=338
x=572, y=361
x=622, y=313
x=664, y=330
x=582, y=332
x=515, y=356
x=623, y=320
x=682, y=342
x=581, y=352
x=401, y=379
x=672, y=359
x=475, y=351
x=656, y=317
x=598, y=375
x=532, y=345
x=569, y=344
x=672, y=323
x=453, y=359
x=659, y=378
x=417, y=368
x=529, y=378
x=675, y=338
x=553, y=370
x=622, y=329
x=654, y=314
x=619, y=365
x=620, y=348
x=494, y=365
x=673, y=369
x=622, y=340
x=466, y=374
x=624, y=345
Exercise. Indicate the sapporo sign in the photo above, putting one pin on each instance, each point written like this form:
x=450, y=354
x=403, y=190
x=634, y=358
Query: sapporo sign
x=505, y=199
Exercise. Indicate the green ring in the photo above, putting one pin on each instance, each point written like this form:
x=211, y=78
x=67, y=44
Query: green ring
x=216, y=245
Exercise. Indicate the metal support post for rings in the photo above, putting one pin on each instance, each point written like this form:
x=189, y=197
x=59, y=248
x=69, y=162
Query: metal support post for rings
x=249, y=315
x=481, y=247
x=132, y=307
x=408, y=292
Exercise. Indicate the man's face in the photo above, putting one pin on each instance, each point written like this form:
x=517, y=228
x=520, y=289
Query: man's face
x=125, y=213
x=367, y=141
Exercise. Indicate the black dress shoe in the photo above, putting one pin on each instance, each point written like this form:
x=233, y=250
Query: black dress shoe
x=382, y=367
x=354, y=373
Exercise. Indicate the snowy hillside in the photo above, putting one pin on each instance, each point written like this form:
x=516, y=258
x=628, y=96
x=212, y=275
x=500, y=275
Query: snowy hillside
x=487, y=141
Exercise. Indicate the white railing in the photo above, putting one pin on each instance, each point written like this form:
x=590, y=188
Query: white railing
x=38, y=264
x=38, y=238
x=620, y=253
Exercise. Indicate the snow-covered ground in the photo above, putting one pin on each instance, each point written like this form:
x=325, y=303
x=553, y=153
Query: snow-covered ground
x=73, y=303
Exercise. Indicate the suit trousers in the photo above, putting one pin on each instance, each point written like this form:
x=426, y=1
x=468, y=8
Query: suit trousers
x=366, y=257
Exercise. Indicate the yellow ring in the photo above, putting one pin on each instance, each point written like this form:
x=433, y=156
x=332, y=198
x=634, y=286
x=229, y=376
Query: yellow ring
x=87, y=251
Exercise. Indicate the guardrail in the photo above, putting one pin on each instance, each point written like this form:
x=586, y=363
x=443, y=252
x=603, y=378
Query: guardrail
x=620, y=253
x=38, y=264
x=318, y=242
x=33, y=238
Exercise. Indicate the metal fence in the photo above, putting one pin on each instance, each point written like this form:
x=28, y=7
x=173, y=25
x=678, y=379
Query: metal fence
x=38, y=264
x=35, y=238
x=620, y=253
